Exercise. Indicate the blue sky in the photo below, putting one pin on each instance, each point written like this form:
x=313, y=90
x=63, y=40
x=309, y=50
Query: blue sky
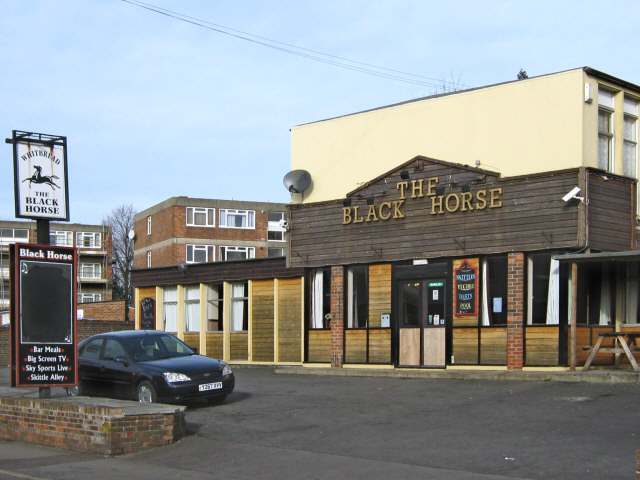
x=155, y=107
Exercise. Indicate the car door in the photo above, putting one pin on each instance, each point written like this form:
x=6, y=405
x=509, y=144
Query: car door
x=116, y=374
x=89, y=367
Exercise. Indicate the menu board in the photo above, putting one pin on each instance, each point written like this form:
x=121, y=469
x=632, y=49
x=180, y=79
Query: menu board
x=147, y=314
x=43, y=323
x=466, y=289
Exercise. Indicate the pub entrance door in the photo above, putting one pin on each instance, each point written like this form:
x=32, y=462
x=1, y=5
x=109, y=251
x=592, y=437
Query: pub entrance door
x=421, y=315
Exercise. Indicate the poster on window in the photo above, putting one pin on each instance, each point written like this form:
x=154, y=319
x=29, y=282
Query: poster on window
x=465, y=277
x=43, y=320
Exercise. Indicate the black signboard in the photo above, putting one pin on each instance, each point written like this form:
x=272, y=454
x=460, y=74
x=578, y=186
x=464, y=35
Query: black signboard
x=147, y=314
x=43, y=320
x=466, y=288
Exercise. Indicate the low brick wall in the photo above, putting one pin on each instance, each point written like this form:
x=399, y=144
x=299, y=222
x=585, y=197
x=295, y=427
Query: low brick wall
x=100, y=426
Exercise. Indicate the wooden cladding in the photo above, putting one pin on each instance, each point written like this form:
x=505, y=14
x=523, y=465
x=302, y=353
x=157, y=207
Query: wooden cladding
x=379, y=293
x=290, y=320
x=530, y=215
x=611, y=213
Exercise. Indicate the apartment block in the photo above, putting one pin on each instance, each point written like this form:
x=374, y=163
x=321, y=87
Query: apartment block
x=197, y=230
x=94, y=255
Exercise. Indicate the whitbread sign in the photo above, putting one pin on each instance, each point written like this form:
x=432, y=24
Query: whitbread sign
x=40, y=176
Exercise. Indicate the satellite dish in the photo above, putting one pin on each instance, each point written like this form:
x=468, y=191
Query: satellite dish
x=131, y=234
x=297, y=181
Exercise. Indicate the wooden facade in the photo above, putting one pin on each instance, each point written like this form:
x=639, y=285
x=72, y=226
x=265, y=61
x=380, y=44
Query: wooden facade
x=275, y=308
x=431, y=212
x=426, y=242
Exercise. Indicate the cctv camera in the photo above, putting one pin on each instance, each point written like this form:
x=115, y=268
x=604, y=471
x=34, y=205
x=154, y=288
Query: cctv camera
x=283, y=224
x=572, y=194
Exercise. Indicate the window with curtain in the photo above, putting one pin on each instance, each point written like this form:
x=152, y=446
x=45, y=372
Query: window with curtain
x=239, y=307
x=230, y=218
x=543, y=289
x=214, y=307
x=320, y=298
x=192, y=308
x=494, y=290
x=596, y=301
x=170, y=309
x=357, y=298
x=631, y=294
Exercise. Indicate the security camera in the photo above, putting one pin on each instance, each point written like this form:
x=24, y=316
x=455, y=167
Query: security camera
x=284, y=224
x=572, y=194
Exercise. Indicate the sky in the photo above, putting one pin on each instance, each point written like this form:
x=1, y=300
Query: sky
x=196, y=97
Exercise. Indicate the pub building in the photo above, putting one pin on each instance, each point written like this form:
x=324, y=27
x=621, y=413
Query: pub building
x=430, y=265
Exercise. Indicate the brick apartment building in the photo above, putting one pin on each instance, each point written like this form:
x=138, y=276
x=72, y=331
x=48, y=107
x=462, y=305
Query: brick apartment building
x=94, y=255
x=197, y=230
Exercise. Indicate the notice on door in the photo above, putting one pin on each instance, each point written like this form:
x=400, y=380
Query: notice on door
x=466, y=289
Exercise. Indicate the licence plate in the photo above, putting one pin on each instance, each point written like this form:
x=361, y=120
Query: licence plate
x=209, y=386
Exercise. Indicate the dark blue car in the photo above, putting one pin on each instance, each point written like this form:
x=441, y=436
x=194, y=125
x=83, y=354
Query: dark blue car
x=149, y=366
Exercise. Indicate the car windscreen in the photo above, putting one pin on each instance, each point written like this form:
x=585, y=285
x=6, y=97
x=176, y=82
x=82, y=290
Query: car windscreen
x=155, y=347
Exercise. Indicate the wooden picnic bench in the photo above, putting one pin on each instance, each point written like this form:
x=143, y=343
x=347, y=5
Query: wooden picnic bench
x=623, y=342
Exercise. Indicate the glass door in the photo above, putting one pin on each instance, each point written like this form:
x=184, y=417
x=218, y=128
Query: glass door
x=422, y=330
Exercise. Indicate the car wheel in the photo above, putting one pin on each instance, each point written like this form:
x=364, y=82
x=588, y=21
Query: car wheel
x=145, y=392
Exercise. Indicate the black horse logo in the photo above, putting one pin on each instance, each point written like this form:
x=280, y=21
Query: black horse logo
x=39, y=178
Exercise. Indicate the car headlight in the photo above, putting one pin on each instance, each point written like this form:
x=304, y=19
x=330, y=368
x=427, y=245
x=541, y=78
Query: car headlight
x=173, y=377
x=226, y=370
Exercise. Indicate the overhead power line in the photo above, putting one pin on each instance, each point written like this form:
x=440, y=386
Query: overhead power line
x=314, y=55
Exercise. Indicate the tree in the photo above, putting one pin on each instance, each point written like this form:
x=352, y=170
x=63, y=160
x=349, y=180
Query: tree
x=522, y=74
x=121, y=222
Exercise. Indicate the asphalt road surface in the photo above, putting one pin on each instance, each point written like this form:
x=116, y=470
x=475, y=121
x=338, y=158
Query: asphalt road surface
x=278, y=426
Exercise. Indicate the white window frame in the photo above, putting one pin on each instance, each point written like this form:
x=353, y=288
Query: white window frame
x=192, y=308
x=248, y=218
x=606, y=106
x=149, y=225
x=630, y=136
x=94, y=239
x=14, y=236
x=89, y=297
x=239, y=305
x=209, y=217
x=249, y=251
x=90, y=270
x=276, y=227
x=170, y=309
x=66, y=235
x=209, y=253
x=149, y=259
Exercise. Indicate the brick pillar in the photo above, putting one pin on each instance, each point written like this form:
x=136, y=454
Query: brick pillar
x=515, y=311
x=337, y=321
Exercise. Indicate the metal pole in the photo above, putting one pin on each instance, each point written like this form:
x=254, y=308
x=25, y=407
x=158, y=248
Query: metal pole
x=574, y=316
x=43, y=238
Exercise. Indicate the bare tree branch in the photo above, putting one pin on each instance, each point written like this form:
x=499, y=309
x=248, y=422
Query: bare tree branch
x=121, y=222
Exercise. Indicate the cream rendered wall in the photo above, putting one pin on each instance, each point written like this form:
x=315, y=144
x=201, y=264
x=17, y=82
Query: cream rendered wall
x=526, y=126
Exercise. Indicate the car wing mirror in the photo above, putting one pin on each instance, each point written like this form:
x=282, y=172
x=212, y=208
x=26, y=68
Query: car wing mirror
x=122, y=359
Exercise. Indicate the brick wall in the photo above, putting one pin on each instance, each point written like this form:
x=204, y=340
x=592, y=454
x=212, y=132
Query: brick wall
x=111, y=310
x=82, y=425
x=515, y=311
x=337, y=323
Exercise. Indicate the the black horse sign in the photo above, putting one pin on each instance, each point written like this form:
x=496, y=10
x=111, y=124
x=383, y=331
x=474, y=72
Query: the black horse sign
x=40, y=169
